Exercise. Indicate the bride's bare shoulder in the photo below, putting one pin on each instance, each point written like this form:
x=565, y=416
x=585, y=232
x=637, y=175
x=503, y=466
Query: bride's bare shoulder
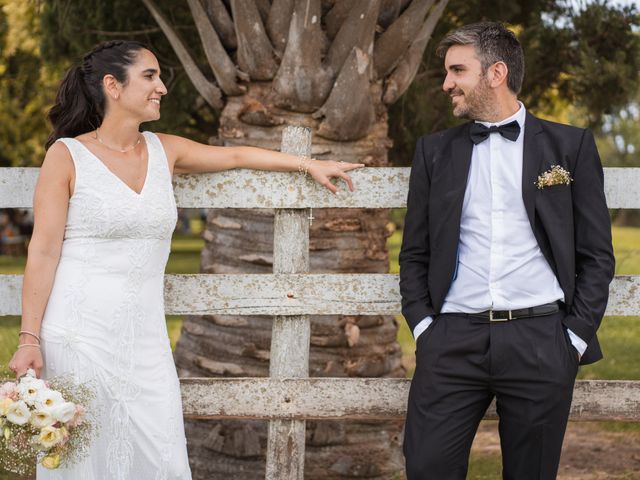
x=58, y=152
x=171, y=145
x=58, y=167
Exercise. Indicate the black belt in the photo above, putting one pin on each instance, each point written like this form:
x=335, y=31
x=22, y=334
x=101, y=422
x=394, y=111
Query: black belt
x=506, y=315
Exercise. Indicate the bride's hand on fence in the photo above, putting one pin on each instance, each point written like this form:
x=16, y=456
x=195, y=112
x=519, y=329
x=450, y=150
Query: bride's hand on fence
x=24, y=359
x=322, y=171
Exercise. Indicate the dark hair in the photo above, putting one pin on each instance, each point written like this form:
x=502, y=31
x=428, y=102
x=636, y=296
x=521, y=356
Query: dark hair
x=80, y=100
x=494, y=43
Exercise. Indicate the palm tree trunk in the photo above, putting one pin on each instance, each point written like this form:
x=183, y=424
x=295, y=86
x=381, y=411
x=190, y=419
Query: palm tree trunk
x=342, y=240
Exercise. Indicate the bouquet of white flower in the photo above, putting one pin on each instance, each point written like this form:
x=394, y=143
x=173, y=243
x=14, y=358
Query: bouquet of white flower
x=43, y=421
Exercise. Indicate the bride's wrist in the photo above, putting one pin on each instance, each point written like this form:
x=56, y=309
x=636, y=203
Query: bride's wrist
x=307, y=164
x=303, y=164
x=312, y=165
x=27, y=336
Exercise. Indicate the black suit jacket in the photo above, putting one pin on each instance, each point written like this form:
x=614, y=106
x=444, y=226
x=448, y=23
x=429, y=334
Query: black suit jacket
x=570, y=222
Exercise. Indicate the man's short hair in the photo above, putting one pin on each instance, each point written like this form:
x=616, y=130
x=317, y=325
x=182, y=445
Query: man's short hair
x=494, y=43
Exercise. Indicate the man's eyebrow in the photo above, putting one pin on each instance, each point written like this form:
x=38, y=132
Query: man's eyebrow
x=455, y=66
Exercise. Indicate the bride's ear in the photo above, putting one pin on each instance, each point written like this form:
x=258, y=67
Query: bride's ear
x=112, y=87
x=497, y=74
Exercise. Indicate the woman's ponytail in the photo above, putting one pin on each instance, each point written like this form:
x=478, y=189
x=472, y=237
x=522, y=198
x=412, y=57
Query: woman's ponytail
x=75, y=111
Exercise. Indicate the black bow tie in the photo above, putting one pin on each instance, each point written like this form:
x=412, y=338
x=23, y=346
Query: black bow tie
x=479, y=133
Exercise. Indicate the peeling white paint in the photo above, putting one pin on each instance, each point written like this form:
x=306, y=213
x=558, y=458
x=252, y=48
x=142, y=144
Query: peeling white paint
x=298, y=294
x=381, y=187
x=367, y=398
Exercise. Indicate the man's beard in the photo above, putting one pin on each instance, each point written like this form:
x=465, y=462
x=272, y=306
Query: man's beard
x=478, y=103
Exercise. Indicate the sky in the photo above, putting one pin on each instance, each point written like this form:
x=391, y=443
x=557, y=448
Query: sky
x=614, y=2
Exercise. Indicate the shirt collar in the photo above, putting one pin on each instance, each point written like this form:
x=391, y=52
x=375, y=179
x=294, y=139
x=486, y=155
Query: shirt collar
x=519, y=117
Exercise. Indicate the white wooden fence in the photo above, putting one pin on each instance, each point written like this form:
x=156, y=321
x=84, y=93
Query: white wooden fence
x=288, y=397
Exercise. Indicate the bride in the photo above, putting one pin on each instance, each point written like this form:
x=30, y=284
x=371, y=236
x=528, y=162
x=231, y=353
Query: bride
x=93, y=284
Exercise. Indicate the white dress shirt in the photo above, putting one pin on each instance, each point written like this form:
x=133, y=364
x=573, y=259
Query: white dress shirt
x=500, y=265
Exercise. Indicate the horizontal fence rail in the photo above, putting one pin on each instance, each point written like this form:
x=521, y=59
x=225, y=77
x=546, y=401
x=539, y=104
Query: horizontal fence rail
x=367, y=398
x=375, y=188
x=298, y=294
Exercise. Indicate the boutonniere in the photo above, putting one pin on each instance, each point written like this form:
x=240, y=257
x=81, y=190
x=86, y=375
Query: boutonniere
x=555, y=176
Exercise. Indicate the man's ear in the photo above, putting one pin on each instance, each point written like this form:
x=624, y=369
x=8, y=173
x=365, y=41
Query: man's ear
x=498, y=73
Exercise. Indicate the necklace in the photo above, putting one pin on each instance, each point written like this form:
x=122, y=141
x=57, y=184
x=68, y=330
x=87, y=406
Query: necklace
x=121, y=150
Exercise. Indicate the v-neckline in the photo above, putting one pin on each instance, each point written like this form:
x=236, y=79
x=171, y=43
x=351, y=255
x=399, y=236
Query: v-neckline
x=122, y=182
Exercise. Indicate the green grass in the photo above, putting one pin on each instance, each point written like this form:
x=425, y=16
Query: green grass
x=185, y=254
x=626, y=243
x=12, y=265
x=484, y=466
x=184, y=258
x=9, y=328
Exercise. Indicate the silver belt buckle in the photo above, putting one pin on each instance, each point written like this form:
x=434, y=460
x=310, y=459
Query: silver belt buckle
x=491, y=319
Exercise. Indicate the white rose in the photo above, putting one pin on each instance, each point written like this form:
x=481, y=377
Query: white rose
x=64, y=412
x=42, y=418
x=48, y=399
x=29, y=388
x=18, y=413
x=51, y=436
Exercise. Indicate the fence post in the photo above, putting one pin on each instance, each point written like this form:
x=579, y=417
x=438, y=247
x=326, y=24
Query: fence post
x=290, y=334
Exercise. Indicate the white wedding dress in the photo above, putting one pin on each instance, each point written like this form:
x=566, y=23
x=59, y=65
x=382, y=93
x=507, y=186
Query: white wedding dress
x=105, y=323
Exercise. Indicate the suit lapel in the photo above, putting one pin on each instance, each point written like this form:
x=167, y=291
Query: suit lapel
x=531, y=159
x=461, y=150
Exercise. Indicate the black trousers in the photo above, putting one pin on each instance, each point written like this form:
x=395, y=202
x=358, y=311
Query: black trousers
x=462, y=363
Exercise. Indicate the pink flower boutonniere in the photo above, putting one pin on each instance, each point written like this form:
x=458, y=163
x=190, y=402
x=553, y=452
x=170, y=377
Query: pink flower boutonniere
x=555, y=176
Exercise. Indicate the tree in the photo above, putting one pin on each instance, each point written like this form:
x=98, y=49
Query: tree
x=23, y=128
x=619, y=146
x=70, y=29
x=579, y=57
x=337, y=67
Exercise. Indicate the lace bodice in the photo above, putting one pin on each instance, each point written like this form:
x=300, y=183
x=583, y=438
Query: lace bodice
x=103, y=206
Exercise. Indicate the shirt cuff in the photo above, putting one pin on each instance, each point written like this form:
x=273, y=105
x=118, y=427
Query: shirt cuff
x=579, y=344
x=421, y=327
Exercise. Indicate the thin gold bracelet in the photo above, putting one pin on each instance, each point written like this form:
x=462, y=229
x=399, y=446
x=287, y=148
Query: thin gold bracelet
x=29, y=345
x=303, y=166
x=30, y=333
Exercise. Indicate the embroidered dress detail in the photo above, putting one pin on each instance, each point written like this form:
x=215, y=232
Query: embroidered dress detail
x=105, y=322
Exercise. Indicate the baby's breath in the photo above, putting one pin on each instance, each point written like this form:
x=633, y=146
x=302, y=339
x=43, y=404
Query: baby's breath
x=556, y=176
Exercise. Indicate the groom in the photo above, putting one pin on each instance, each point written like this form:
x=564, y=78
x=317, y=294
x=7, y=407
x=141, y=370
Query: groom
x=505, y=268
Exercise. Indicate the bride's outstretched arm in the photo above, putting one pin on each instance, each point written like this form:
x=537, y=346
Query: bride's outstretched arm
x=186, y=156
x=50, y=206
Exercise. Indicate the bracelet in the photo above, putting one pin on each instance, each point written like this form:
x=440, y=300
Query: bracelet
x=303, y=166
x=28, y=345
x=30, y=333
